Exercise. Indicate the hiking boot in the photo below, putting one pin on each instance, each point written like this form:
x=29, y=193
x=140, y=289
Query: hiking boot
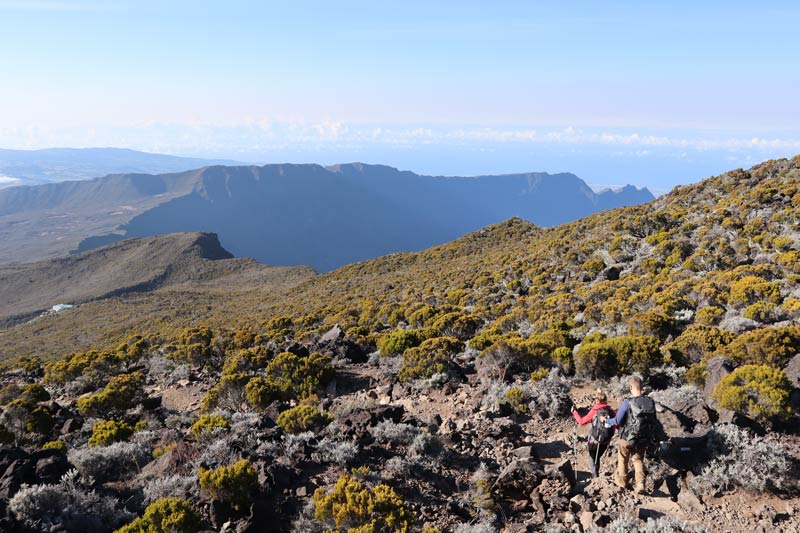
x=640, y=489
x=621, y=482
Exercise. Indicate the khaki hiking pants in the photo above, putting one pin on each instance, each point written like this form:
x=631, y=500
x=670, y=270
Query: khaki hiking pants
x=628, y=452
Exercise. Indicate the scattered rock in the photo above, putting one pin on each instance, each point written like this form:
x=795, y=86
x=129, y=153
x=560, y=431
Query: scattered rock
x=562, y=470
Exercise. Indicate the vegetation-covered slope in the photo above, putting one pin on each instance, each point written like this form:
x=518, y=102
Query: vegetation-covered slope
x=441, y=401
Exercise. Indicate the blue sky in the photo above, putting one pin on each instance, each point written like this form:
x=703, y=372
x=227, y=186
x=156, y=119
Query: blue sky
x=619, y=92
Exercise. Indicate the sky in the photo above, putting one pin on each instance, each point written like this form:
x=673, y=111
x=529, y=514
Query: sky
x=649, y=93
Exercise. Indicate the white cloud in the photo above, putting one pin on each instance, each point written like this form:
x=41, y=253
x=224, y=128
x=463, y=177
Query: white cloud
x=8, y=181
x=254, y=134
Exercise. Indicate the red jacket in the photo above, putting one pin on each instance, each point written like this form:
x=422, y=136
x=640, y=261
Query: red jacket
x=593, y=411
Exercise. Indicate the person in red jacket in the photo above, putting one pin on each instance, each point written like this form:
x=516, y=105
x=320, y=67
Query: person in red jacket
x=599, y=436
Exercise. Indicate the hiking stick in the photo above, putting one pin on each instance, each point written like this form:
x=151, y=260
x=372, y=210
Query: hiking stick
x=575, y=447
x=596, y=458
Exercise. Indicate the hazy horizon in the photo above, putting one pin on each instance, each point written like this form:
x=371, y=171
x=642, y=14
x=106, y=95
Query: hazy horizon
x=647, y=94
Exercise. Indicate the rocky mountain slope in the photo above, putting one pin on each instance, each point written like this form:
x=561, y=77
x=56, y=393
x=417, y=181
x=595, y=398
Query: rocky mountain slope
x=123, y=268
x=289, y=214
x=431, y=391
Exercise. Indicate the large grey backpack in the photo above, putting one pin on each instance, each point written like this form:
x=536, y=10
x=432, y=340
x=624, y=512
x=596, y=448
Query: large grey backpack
x=640, y=421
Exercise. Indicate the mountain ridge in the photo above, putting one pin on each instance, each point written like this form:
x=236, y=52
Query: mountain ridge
x=288, y=214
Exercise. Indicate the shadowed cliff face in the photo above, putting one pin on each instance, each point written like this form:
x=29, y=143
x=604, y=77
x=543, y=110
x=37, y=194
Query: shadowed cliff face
x=300, y=214
x=306, y=214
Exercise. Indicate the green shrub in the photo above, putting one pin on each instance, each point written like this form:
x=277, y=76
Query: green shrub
x=539, y=374
x=430, y=357
x=260, y=393
x=193, y=345
x=23, y=416
x=770, y=346
x=400, y=340
x=595, y=359
x=515, y=397
x=617, y=355
x=760, y=312
x=696, y=374
x=95, y=365
x=304, y=417
x=709, y=316
x=31, y=393
x=206, y=424
x=228, y=393
x=247, y=360
x=485, y=338
x=120, y=394
x=696, y=342
x=59, y=445
x=457, y=325
x=109, y=431
x=758, y=391
x=651, y=323
x=562, y=356
x=293, y=376
x=355, y=507
x=231, y=484
x=165, y=515
x=751, y=289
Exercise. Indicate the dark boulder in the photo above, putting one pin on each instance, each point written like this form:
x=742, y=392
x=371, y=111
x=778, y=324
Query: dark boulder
x=357, y=422
x=49, y=466
x=337, y=346
x=716, y=369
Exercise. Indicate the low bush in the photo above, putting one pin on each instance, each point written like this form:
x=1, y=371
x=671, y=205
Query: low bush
x=109, y=431
x=59, y=445
x=293, y=376
x=120, y=394
x=21, y=416
x=302, y=418
x=166, y=515
x=176, y=485
x=388, y=431
x=516, y=398
x=247, y=360
x=228, y=394
x=114, y=462
x=66, y=506
x=765, y=346
x=550, y=395
x=193, y=345
x=207, y=424
x=429, y=358
x=741, y=459
x=617, y=355
x=758, y=391
x=353, y=506
x=400, y=340
x=260, y=393
x=230, y=484
x=696, y=342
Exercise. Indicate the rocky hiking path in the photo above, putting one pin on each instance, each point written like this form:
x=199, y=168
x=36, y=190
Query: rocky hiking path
x=457, y=414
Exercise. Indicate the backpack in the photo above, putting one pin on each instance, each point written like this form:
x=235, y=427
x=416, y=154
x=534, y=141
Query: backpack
x=640, y=422
x=599, y=432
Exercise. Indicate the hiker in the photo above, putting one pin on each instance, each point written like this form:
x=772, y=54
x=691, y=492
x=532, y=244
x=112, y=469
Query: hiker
x=599, y=435
x=637, y=421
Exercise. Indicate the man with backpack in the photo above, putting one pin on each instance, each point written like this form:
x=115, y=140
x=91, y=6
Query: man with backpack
x=599, y=435
x=637, y=421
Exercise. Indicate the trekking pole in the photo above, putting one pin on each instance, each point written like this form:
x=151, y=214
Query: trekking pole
x=596, y=459
x=575, y=446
